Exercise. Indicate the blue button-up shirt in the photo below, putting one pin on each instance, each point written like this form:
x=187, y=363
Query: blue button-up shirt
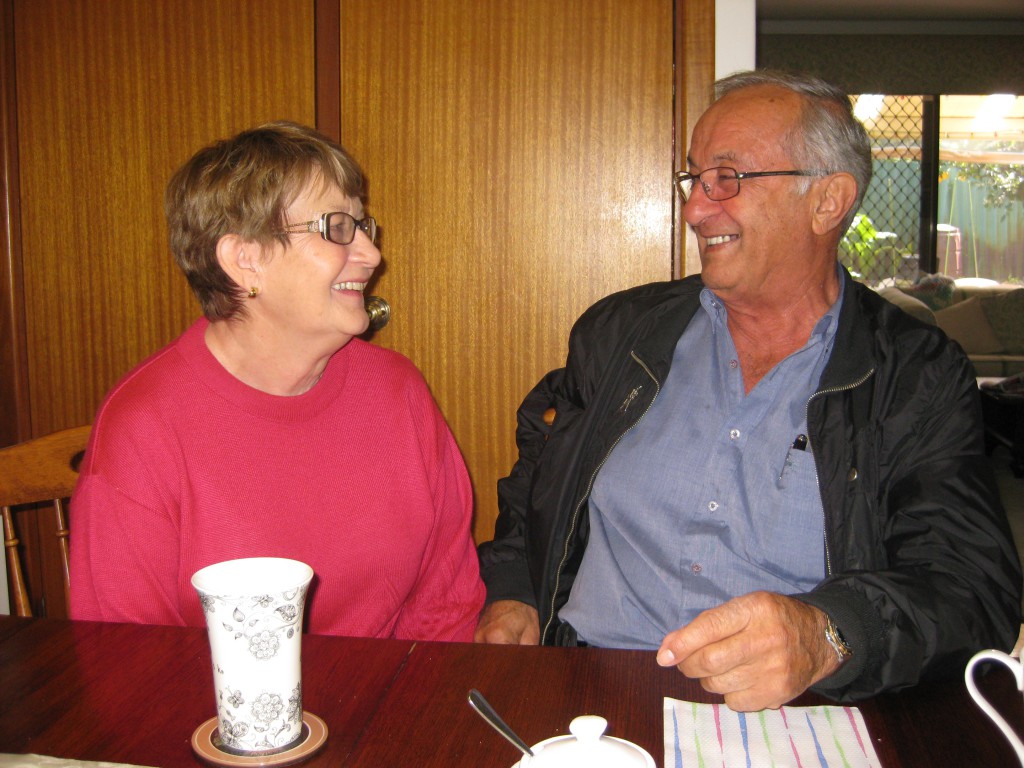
x=713, y=495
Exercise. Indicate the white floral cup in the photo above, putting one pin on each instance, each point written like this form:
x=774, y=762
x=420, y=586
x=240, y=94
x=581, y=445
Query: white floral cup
x=1014, y=666
x=253, y=610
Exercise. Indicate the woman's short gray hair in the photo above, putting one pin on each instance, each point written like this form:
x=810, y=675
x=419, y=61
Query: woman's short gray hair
x=831, y=138
x=243, y=185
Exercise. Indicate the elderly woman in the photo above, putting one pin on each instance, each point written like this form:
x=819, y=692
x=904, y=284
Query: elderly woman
x=267, y=428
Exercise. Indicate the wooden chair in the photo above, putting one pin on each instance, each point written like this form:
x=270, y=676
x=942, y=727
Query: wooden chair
x=39, y=471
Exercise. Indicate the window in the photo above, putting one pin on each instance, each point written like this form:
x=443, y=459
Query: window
x=948, y=189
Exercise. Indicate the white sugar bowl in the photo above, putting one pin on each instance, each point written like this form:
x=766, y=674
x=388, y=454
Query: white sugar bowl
x=587, y=747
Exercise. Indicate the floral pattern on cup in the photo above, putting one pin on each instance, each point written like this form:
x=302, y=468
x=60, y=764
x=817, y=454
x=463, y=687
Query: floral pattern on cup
x=268, y=618
x=263, y=623
x=255, y=641
x=269, y=716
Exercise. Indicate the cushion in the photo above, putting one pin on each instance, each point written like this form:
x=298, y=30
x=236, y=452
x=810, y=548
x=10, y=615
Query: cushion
x=1005, y=313
x=936, y=291
x=998, y=366
x=967, y=283
x=968, y=324
x=967, y=291
x=910, y=305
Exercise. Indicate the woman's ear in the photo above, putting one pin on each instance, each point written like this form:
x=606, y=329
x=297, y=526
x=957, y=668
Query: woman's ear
x=242, y=261
x=835, y=195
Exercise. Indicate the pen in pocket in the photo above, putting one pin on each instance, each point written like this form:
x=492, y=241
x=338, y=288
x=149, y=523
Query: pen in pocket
x=799, y=444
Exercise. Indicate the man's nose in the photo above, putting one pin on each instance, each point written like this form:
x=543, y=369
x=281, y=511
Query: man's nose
x=699, y=206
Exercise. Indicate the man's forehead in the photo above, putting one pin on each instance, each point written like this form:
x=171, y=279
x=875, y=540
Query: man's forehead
x=724, y=157
x=743, y=128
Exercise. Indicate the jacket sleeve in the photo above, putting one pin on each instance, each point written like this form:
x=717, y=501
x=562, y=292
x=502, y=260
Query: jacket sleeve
x=924, y=570
x=503, y=563
x=580, y=394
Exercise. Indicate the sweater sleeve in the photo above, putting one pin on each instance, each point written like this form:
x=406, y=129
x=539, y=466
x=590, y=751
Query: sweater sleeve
x=124, y=556
x=448, y=596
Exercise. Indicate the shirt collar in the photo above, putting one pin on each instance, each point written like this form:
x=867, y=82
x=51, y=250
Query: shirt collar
x=826, y=325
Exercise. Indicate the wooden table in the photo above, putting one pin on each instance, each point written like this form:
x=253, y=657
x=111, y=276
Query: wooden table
x=134, y=694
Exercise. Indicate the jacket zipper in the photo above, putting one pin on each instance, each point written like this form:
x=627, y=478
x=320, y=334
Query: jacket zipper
x=807, y=406
x=590, y=485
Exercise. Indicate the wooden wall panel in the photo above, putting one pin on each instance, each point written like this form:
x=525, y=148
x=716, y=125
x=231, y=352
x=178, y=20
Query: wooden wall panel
x=13, y=373
x=520, y=157
x=695, y=75
x=111, y=97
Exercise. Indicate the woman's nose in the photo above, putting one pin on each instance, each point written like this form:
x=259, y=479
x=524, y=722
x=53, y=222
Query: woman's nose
x=364, y=249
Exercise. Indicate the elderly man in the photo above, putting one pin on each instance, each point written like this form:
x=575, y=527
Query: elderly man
x=766, y=473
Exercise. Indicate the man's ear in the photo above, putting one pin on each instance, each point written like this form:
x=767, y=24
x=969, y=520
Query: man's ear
x=834, y=196
x=241, y=260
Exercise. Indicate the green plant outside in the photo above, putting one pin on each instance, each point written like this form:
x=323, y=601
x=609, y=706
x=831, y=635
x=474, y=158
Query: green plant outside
x=869, y=251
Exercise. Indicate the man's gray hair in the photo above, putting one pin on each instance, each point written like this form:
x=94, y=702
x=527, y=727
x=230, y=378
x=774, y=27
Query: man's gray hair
x=830, y=139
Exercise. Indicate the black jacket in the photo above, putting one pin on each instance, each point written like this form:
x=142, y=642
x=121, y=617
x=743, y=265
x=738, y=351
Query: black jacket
x=921, y=567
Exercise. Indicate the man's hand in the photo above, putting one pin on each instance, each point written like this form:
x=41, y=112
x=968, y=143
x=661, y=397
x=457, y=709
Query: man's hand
x=759, y=650
x=508, y=622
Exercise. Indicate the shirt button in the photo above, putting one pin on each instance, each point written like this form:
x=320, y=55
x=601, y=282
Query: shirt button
x=734, y=364
x=712, y=505
x=734, y=434
x=696, y=567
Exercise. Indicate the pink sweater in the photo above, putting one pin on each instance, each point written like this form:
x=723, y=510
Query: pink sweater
x=359, y=477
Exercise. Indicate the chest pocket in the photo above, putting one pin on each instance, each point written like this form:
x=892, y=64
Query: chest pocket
x=790, y=522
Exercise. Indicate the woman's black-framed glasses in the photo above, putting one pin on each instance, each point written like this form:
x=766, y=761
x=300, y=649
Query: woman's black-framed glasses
x=723, y=183
x=336, y=227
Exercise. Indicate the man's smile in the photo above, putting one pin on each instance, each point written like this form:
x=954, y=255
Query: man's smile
x=719, y=239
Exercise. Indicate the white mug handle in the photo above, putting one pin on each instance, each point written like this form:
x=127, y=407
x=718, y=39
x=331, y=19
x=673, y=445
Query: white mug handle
x=1018, y=672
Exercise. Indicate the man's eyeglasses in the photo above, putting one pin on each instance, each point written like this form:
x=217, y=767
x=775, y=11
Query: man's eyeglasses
x=336, y=227
x=724, y=183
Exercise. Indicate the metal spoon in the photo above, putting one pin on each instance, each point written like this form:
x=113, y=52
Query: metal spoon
x=486, y=711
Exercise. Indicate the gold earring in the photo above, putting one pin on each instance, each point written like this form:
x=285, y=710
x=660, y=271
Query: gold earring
x=254, y=292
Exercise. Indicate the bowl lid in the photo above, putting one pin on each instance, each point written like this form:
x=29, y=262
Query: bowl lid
x=587, y=747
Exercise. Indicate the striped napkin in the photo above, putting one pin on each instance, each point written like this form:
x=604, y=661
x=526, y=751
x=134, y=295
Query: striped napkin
x=705, y=735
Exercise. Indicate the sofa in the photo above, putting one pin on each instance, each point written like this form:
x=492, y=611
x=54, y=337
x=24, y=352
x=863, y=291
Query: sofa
x=985, y=317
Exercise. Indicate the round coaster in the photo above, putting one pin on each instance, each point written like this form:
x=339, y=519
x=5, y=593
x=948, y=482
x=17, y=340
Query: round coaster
x=314, y=734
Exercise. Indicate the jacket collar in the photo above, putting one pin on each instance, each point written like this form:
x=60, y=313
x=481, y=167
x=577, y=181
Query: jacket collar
x=665, y=323
x=852, y=353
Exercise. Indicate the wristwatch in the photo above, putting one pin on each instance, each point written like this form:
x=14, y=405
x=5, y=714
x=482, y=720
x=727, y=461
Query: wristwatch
x=837, y=641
